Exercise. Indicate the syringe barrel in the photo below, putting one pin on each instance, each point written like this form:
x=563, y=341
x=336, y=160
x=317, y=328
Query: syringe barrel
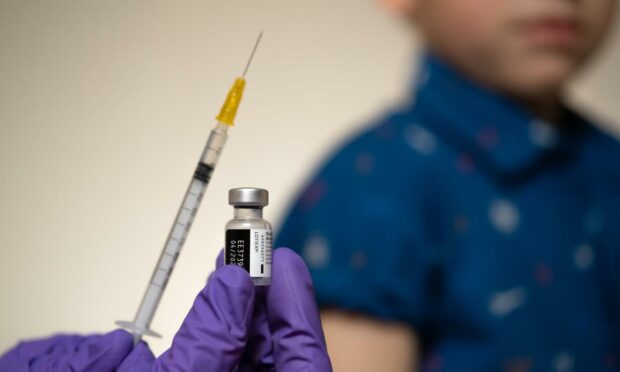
x=215, y=144
x=172, y=248
x=180, y=228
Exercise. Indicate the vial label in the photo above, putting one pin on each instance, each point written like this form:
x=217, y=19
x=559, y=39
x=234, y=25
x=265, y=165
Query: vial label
x=250, y=249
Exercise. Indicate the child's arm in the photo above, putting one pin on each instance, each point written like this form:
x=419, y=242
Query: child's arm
x=360, y=343
x=362, y=225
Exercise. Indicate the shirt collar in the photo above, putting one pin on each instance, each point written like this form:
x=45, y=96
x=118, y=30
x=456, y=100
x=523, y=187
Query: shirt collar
x=495, y=131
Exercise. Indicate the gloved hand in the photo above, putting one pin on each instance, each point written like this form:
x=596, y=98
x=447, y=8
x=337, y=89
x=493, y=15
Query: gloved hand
x=69, y=353
x=232, y=325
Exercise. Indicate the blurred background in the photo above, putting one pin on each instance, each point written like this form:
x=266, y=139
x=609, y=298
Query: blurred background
x=106, y=105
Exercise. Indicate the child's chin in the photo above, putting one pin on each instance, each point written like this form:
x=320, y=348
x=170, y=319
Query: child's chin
x=542, y=77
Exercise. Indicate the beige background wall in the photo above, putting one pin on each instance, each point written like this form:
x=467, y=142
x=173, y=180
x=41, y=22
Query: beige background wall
x=104, y=109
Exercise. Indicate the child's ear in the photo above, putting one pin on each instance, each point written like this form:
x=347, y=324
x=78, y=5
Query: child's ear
x=402, y=8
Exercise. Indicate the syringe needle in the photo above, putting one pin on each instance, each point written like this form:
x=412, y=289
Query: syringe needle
x=245, y=70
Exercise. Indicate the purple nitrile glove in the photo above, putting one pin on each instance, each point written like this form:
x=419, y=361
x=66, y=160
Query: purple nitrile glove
x=69, y=353
x=232, y=325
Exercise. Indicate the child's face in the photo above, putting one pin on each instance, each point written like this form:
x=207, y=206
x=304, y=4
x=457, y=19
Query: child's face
x=527, y=48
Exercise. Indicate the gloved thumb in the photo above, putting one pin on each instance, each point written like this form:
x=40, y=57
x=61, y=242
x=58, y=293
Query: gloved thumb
x=213, y=335
x=140, y=359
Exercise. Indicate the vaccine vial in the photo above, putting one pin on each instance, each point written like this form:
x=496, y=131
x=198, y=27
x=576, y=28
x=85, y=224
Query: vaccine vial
x=248, y=235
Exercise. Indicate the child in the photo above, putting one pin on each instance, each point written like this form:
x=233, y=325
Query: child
x=472, y=229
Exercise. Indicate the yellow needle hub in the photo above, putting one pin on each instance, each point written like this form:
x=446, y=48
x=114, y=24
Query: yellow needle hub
x=230, y=106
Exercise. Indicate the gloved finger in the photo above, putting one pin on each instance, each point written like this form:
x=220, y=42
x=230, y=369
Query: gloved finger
x=140, y=359
x=94, y=353
x=213, y=336
x=219, y=261
x=299, y=343
x=25, y=351
x=259, y=350
x=258, y=355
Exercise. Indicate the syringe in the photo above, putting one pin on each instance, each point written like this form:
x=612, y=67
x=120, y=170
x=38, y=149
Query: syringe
x=187, y=211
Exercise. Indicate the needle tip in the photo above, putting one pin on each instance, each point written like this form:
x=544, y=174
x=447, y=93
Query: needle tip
x=247, y=65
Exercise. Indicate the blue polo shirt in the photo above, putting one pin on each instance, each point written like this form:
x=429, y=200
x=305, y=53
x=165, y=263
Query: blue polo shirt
x=490, y=232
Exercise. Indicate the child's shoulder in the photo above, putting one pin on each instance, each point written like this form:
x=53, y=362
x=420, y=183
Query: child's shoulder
x=391, y=144
x=393, y=157
x=402, y=145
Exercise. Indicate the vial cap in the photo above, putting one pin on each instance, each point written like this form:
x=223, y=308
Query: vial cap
x=248, y=196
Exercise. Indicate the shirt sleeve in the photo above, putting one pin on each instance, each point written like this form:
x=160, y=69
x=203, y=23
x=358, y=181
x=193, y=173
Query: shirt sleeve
x=360, y=224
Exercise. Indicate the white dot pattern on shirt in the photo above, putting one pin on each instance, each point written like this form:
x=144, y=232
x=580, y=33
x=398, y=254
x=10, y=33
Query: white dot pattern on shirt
x=420, y=139
x=505, y=302
x=563, y=362
x=543, y=134
x=504, y=216
x=316, y=251
x=584, y=256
